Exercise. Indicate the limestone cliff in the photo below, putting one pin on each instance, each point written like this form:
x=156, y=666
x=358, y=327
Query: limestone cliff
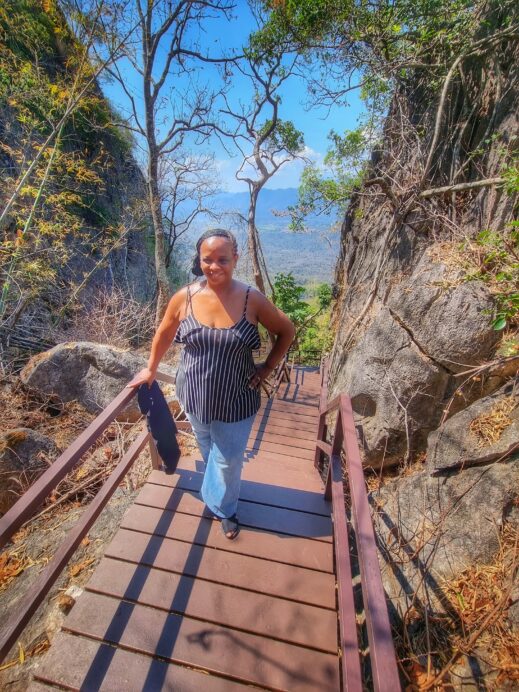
x=408, y=320
x=79, y=222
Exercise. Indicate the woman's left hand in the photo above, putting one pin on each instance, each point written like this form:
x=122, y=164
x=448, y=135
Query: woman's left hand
x=262, y=373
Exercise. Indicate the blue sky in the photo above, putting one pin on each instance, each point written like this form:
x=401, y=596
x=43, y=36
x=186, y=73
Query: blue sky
x=217, y=35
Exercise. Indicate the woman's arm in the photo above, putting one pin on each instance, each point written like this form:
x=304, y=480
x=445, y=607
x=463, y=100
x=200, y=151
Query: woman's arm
x=277, y=323
x=162, y=340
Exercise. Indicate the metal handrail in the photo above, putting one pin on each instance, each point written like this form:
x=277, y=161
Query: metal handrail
x=381, y=648
x=30, y=501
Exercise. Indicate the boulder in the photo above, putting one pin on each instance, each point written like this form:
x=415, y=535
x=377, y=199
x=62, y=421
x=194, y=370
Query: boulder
x=395, y=390
x=90, y=373
x=431, y=528
x=24, y=455
x=485, y=431
x=449, y=319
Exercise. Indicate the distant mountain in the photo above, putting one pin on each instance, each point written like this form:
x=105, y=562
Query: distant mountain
x=269, y=202
x=310, y=256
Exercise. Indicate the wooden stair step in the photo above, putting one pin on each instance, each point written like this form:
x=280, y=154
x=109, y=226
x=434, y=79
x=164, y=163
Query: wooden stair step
x=213, y=602
x=263, y=493
x=79, y=663
x=258, y=516
x=231, y=568
x=241, y=656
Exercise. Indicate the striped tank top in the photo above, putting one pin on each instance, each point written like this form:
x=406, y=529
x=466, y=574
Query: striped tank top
x=215, y=367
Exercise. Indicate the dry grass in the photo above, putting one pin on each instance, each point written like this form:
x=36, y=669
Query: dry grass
x=113, y=317
x=474, y=624
x=455, y=259
x=489, y=427
x=480, y=592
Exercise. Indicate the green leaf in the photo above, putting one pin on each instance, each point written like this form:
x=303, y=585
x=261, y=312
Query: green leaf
x=499, y=323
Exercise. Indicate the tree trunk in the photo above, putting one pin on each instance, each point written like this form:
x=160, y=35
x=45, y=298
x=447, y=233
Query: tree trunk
x=253, y=241
x=163, y=288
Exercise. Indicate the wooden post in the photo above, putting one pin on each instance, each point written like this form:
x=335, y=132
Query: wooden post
x=155, y=459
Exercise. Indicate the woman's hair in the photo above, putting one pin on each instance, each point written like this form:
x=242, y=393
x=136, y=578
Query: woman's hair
x=196, y=269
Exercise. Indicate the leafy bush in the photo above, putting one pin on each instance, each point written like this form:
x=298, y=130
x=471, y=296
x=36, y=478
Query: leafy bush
x=311, y=319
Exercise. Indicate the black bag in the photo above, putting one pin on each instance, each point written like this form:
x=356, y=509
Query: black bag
x=160, y=423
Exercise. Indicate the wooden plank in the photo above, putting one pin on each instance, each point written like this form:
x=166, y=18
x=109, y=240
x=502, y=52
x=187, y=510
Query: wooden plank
x=268, y=466
x=226, y=567
x=79, y=663
x=303, y=410
x=294, y=394
x=29, y=502
x=291, y=550
x=282, y=427
x=284, y=477
x=278, y=519
x=295, y=389
x=283, y=448
x=191, y=471
x=264, y=615
x=283, y=441
x=308, y=423
x=43, y=582
x=238, y=655
x=264, y=493
x=297, y=459
x=269, y=415
x=381, y=645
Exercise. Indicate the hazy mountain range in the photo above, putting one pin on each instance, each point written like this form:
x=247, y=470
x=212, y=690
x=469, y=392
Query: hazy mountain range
x=309, y=255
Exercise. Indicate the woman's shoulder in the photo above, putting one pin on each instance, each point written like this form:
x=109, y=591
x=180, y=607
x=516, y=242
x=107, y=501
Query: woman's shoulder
x=178, y=300
x=256, y=299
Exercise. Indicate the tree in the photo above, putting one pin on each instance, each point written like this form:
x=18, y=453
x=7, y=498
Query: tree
x=264, y=140
x=187, y=182
x=385, y=50
x=327, y=189
x=173, y=108
x=288, y=298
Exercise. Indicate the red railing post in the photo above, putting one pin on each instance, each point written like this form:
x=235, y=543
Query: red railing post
x=381, y=648
x=32, y=499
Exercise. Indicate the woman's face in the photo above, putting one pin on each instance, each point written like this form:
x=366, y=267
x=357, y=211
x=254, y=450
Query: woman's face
x=217, y=259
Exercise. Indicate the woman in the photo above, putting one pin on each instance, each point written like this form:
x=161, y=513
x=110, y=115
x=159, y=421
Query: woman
x=218, y=383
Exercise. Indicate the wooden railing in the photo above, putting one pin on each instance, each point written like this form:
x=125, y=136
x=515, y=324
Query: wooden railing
x=281, y=374
x=30, y=501
x=384, y=667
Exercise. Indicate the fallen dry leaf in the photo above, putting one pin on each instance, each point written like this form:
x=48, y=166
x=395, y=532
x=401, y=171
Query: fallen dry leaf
x=74, y=570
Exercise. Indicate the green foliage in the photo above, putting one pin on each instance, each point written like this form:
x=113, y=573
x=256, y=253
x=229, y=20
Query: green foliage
x=379, y=48
x=288, y=296
x=499, y=268
x=284, y=137
x=327, y=190
x=311, y=318
x=511, y=175
x=324, y=296
x=62, y=212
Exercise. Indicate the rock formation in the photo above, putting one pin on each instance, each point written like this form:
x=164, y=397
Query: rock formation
x=24, y=455
x=89, y=373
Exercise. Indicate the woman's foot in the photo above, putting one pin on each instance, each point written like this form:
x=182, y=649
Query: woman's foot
x=230, y=527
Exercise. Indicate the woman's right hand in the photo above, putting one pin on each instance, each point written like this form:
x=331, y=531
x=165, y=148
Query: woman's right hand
x=144, y=376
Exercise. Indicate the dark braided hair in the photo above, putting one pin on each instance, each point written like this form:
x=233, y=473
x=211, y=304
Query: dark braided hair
x=196, y=269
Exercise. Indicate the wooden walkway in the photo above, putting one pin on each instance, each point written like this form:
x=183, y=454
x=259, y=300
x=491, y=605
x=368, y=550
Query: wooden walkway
x=174, y=605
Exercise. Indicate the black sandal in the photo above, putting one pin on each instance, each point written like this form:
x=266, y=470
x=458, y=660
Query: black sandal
x=230, y=526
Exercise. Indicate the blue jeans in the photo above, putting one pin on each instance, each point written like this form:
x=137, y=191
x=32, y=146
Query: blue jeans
x=222, y=446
